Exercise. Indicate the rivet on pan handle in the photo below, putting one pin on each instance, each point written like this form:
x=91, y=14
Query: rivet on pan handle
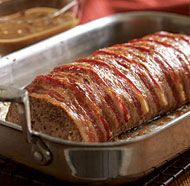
x=39, y=150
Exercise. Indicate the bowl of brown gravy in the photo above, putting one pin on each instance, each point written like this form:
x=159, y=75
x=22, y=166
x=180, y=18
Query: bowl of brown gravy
x=24, y=22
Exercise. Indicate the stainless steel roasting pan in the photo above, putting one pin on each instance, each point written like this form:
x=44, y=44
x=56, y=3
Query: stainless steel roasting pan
x=111, y=162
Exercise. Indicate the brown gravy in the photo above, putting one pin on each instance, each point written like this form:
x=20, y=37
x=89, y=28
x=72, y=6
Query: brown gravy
x=29, y=26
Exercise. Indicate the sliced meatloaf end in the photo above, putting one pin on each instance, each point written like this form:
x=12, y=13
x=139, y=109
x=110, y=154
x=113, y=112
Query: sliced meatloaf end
x=48, y=118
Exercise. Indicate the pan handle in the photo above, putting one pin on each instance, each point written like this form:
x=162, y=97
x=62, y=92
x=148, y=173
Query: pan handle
x=20, y=96
x=10, y=94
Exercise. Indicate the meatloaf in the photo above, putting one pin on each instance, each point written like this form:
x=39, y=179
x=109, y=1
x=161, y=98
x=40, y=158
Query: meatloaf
x=96, y=98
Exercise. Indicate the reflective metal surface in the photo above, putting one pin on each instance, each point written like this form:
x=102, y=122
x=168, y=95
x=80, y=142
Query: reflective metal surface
x=112, y=162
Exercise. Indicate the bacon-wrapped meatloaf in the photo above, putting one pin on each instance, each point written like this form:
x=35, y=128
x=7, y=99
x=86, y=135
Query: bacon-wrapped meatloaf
x=117, y=88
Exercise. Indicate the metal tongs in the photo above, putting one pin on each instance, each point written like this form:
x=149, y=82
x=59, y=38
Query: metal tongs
x=39, y=150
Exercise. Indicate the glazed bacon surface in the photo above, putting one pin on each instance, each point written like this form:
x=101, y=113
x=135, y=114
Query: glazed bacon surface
x=122, y=86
